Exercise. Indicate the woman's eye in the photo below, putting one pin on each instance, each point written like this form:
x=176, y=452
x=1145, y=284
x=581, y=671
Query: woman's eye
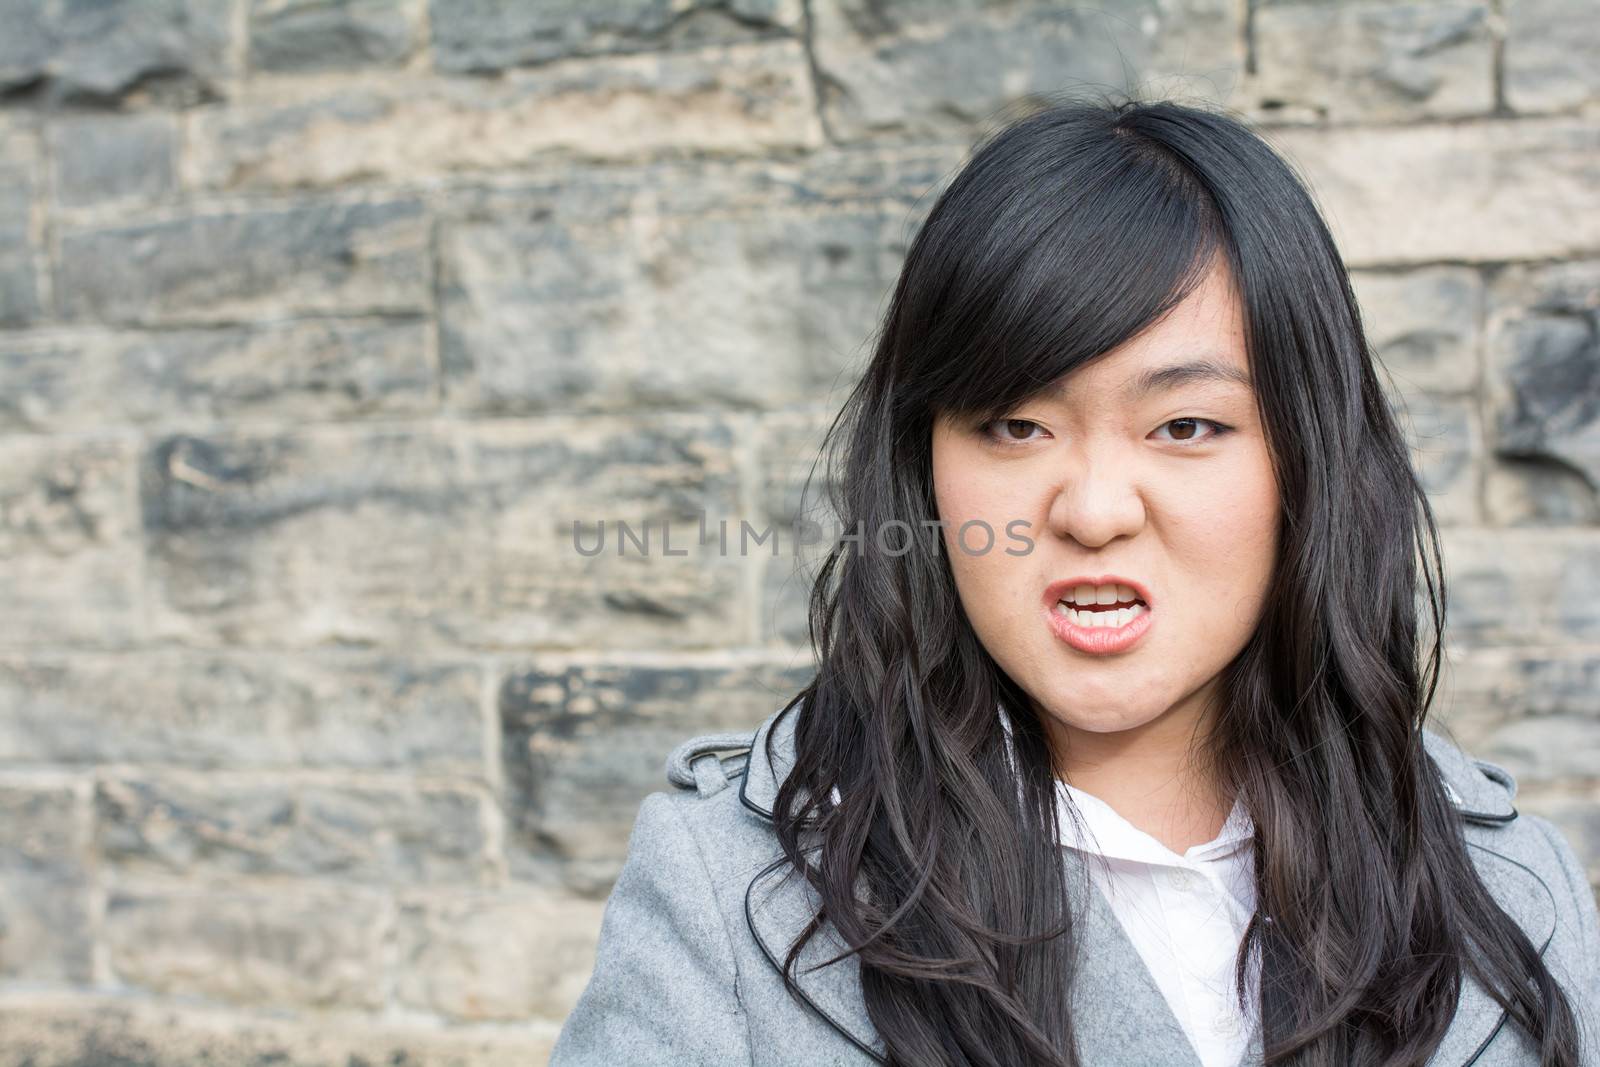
x=1186, y=432
x=1005, y=431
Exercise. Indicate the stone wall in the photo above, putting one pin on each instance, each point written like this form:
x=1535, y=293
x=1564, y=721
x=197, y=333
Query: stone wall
x=320, y=320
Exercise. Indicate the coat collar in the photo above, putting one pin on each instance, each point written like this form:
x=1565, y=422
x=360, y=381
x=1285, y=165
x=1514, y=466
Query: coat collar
x=1114, y=986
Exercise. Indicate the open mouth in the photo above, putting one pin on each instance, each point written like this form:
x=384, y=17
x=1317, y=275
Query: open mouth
x=1112, y=616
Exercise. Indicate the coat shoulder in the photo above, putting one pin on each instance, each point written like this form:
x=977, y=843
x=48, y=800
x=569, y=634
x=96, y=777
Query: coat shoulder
x=1481, y=791
x=707, y=764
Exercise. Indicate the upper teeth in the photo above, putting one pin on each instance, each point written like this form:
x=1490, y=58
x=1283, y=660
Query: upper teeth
x=1086, y=595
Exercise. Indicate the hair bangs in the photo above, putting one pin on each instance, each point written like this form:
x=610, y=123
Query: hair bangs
x=1039, y=278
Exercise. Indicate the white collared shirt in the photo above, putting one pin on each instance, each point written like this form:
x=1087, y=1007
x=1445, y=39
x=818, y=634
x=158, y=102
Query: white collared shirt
x=1185, y=914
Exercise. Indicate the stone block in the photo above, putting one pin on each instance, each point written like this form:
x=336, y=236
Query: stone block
x=244, y=711
x=1374, y=62
x=308, y=35
x=1550, y=52
x=287, y=947
x=482, y=956
x=225, y=265
x=208, y=830
x=126, y=158
x=745, y=100
x=584, y=743
x=483, y=36
x=456, y=534
x=1543, y=391
x=928, y=70
x=1474, y=191
x=298, y=371
x=69, y=538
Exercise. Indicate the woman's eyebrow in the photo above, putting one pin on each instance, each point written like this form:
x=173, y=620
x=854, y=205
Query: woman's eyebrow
x=1172, y=376
x=1192, y=372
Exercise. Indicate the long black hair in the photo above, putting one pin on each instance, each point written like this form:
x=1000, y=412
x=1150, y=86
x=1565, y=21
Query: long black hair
x=1066, y=233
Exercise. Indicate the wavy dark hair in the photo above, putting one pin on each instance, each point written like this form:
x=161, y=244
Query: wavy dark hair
x=1064, y=234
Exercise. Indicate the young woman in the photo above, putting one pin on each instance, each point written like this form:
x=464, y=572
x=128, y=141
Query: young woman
x=1115, y=753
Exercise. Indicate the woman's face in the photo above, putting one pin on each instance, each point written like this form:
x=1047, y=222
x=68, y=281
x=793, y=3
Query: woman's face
x=1133, y=470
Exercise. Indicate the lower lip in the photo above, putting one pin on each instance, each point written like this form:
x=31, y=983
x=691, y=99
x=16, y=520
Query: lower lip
x=1100, y=640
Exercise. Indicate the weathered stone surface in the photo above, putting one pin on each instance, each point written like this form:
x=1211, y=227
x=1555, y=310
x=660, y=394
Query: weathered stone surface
x=1521, y=588
x=925, y=69
x=487, y=35
x=44, y=890
x=584, y=743
x=40, y=830
x=1447, y=450
x=1534, y=711
x=288, y=946
x=68, y=536
x=20, y=177
x=96, y=1030
x=1544, y=386
x=197, y=828
x=495, y=955
x=301, y=370
x=121, y=157
x=269, y=539
x=1374, y=61
x=303, y=35
x=734, y=101
x=411, y=712
x=45, y=932
x=789, y=456
x=1424, y=325
x=1472, y=191
x=753, y=310
x=1550, y=53
x=99, y=51
x=317, y=256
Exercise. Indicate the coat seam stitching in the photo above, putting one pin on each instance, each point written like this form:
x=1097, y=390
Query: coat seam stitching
x=722, y=921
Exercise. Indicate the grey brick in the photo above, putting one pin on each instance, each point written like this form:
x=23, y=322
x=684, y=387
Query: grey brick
x=757, y=310
x=924, y=69
x=1447, y=450
x=20, y=170
x=80, y=1032
x=303, y=370
x=738, y=100
x=173, y=708
x=99, y=51
x=1375, y=61
x=210, y=830
x=495, y=955
x=264, y=538
x=1544, y=390
x=584, y=743
x=303, y=35
x=69, y=539
x=1476, y=192
x=1550, y=53
x=489, y=35
x=1521, y=588
x=1424, y=325
x=312, y=257
x=45, y=929
x=125, y=157
x=284, y=947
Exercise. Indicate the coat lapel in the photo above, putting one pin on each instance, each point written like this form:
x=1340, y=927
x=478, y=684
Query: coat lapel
x=1114, y=991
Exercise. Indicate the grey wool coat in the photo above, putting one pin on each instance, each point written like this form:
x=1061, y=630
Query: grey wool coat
x=687, y=966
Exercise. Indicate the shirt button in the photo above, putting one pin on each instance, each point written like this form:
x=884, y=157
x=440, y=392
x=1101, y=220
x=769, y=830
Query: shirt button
x=1184, y=880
